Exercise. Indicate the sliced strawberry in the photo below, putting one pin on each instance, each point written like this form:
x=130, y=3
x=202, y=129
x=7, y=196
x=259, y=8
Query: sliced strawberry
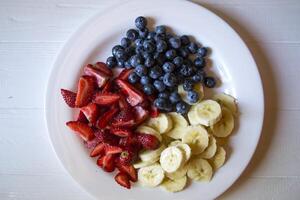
x=103, y=68
x=129, y=170
x=82, y=118
x=105, y=99
x=121, y=132
x=124, y=74
x=106, y=137
x=69, y=97
x=107, y=88
x=134, y=96
x=145, y=104
x=98, y=150
x=100, y=161
x=123, y=179
x=125, y=118
x=109, y=163
x=84, y=131
x=109, y=149
x=85, y=91
x=100, y=77
x=91, y=112
x=148, y=141
x=123, y=104
x=93, y=143
x=154, y=112
x=141, y=114
x=106, y=117
x=128, y=156
x=128, y=141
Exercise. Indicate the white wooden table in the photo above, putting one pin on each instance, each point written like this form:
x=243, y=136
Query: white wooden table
x=31, y=35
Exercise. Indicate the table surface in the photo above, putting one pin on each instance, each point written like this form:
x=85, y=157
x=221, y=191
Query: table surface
x=31, y=35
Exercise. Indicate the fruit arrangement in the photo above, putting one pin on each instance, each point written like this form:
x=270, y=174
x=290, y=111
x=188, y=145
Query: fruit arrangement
x=150, y=122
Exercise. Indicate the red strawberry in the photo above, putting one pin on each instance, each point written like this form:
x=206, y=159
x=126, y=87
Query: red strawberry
x=106, y=117
x=92, y=144
x=107, y=88
x=103, y=68
x=98, y=150
x=154, y=112
x=127, y=157
x=125, y=118
x=108, y=163
x=121, y=132
x=129, y=170
x=100, y=161
x=106, y=137
x=141, y=114
x=84, y=131
x=85, y=91
x=112, y=149
x=91, y=112
x=124, y=74
x=100, y=77
x=81, y=118
x=69, y=97
x=134, y=96
x=123, y=104
x=148, y=141
x=123, y=179
x=105, y=99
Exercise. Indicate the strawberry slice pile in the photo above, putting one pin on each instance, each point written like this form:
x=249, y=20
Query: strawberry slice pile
x=109, y=111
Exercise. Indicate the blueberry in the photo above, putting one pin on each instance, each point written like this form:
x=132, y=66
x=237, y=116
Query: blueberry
x=187, y=85
x=145, y=80
x=170, y=79
x=197, y=78
x=155, y=72
x=182, y=107
x=161, y=46
x=175, y=42
x=160, y=37
x=168, y=107
x=133, y=78
x=149, y=62
x=209, y=82
x=125, y=42
x=192, y=96
x=164, y=95
x=160, y=103
x=121, y=63
x=168, y=36
x=160, y=58
x=168, y=67
x=146, y=54
x=132, y=34
x=159, y=85
x=116, y=48
x=199, y=62
x=184, y=52
x=160, y=29
x=139, y=42
x=149, y=46
x=129, y=50
x=139, y=50
x=127, y=64
x=174, y=97
x=185, y=40
x=202, y=52
x=151, y=35
x=121, y=55
x=193, y=47
x=143, y=33
x=136, y=60
x=178, y=61
x=148, y=89
x=170, y=54
x=111, y=62
x=141, y=22
x=201, y=73
x=141, y=70
x=186, y=70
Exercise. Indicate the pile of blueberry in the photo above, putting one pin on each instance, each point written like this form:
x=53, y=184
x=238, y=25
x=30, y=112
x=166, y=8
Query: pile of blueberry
x=161, y=62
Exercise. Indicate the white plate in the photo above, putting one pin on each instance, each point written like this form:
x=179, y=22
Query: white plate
x=231, y=61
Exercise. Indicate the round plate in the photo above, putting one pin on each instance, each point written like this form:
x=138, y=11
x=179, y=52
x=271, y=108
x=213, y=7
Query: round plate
x=230, y=61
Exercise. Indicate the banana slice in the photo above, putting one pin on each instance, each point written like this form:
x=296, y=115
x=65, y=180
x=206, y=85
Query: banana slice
x=192, y=116
x=162, y=123
x=181, y=172
x=175, y=143
x=149, y=130
x=174, y=185
x=224, y=127
x=179, y=123
x=187, y=152
x=197, y=138
x=141, y=164
x=211, y=149
x=171, y=159
x=219, y=159
x=151, y=176
x=207, y=112
x=197, y=88
x=227, y=101
x=151, y=155
x=200, y=170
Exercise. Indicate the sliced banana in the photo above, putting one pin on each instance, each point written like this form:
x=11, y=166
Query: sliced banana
x=227, y=101
x=175, y=143
x=187, y=152
x=224, y=127
x=199, y=170
x=197, y=138
x=179, y=123
x=141, y=163
x=211, y=149
x=197, y=88
x=178, y=173
x=171, y=159
x=192, y=116
x=149, y=130
x=174, y=185
x=208, y=112
x=151, y=176
x=151, y=155
x=162, y=123
x=219, y=159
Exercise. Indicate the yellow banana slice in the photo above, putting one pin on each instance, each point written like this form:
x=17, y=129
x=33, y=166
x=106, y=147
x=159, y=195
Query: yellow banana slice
x=171, y=159
x=211, y=149
x=224, y=127
x=179, y=124
x=219, y=159
x=151, y=176
x=227, y=101
x=162, y=123
x=181, y=172
x=199, y=170
x=151, y=155
x=197, y=138
x=174, y=185
x=149, y=130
